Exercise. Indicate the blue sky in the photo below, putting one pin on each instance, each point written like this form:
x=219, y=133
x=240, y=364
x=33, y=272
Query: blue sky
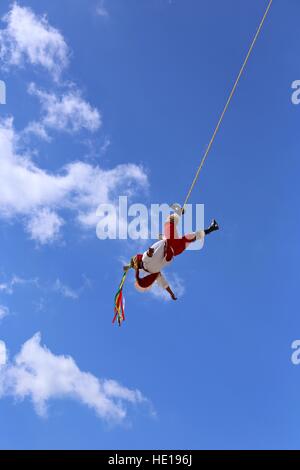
x=124, y=96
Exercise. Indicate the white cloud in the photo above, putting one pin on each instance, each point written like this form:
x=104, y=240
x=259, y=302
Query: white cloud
x=176, y=284
x=3, y=355
x=68, y=112
x=4, y=311
x=44, y=226
x=37, y=195
x=38, y=374
x=30, y=38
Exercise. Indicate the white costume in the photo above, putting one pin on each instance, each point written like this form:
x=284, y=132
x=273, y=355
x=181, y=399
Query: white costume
x=156, y=262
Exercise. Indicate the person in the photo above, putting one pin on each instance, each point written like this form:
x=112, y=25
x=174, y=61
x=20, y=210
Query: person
x=162, y=253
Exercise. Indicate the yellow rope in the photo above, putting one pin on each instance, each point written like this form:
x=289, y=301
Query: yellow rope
x=227, y=103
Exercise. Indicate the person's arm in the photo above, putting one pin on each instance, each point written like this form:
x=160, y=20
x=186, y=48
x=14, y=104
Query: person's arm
x=137, y=274
x=161, y=280
x=150, y=252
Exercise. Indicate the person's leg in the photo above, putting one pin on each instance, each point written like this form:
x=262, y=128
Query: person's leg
x=176, y=243
x=179, y=244
x=170, y=227
x=192, y=237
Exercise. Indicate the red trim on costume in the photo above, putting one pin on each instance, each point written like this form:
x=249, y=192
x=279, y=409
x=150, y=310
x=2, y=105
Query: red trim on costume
x=146, y=281
x=175, y=245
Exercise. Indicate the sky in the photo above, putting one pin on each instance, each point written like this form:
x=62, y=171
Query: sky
x=111, y=98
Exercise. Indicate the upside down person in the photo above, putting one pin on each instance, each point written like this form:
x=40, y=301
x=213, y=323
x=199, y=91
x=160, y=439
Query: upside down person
x=162, y=253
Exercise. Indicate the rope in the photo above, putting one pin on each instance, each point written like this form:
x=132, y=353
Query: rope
x=227, y=103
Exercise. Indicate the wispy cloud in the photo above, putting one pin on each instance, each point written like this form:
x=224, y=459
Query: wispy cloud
x=69, y=292
x=29, y=38
x=101, y=10
x=8, y=287
x=106, y=144
x=37, y=129
x=40, y=375
x=58, y=286
x=4, y=311
x=65, y=290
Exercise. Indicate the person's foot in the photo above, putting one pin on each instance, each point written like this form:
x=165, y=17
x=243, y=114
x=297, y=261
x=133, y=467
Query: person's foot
x=214, y=225
x=177, y=209
x=212, y=228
